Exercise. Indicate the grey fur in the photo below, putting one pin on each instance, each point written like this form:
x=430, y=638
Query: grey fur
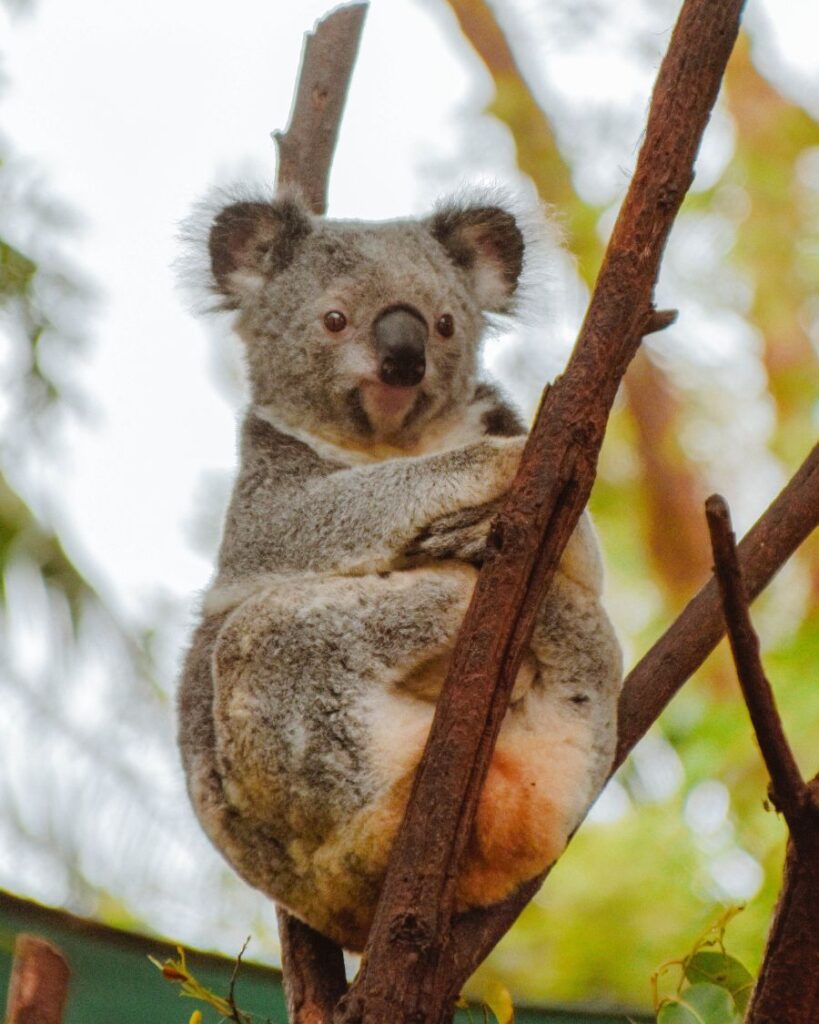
x=348, y=560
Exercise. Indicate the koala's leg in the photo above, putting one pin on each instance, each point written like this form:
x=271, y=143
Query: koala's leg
x=554, y=750
x=318, y=727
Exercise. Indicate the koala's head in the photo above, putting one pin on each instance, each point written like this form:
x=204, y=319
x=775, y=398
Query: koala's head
x=359, y=331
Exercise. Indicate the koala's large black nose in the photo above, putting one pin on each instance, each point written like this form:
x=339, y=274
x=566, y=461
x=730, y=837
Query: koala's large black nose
x=400, y=339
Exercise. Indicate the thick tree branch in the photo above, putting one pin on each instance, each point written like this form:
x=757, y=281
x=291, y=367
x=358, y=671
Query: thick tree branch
x=403, y=977
x=312, y=965
x=787, y=990
x=306, y=148
x=39, y=983
x=788, y=791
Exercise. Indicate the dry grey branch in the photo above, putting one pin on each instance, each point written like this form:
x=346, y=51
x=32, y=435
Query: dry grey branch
x=306, y=148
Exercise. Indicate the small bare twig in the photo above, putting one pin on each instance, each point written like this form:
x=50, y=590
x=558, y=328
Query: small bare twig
x=788, y=791
x=236, y=1014
x=659, y=320
x=306, y=148
x=39, y=983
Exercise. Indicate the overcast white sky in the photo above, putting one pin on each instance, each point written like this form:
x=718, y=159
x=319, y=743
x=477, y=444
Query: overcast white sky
x=130, y=111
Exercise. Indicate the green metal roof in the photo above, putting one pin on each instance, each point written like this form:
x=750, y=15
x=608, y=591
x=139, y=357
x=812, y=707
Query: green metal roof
x=113, y=982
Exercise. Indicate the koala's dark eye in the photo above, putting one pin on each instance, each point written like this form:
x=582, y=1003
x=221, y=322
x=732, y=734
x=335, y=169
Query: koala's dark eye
x=445, y=325
x=335, y=321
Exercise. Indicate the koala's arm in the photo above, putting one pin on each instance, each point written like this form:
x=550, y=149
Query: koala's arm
x=361, y=519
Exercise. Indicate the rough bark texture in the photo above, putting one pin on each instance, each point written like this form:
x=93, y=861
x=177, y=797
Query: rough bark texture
x=685, y=91
x=787, y=990
x=312, y=969
x=788, y=792
x=306, y=147
x=404, y=975
x=39, y=983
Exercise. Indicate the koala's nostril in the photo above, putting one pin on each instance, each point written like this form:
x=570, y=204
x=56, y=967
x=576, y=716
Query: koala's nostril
x=403, y=367
x=400, y=342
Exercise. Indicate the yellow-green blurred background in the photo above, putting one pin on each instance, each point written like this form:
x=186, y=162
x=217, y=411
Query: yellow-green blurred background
x=117, y=433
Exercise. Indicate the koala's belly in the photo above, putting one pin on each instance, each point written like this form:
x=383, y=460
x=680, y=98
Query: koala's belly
x=324, y=696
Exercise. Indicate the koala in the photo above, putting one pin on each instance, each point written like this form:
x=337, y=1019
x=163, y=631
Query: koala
x=373, y=459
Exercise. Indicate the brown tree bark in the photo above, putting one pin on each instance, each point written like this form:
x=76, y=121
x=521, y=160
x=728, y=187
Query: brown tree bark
x=787, y=990
x=312, y=971
x=659, y=675
x=39, y=983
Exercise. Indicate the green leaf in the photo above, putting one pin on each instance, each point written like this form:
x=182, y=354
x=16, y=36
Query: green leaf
x=723, y=970
x=699, y=1004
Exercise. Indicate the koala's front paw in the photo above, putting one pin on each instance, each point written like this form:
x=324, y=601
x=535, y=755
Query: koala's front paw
x=460, y=535
x=506, y=455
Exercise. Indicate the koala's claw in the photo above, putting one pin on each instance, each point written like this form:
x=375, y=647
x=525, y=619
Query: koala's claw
x=460, y=535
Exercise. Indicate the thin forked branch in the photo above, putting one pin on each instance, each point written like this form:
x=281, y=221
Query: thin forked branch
x=787, y=990
x=789, y=792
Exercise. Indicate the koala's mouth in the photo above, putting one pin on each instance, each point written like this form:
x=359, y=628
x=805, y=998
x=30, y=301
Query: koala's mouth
x=385, y=410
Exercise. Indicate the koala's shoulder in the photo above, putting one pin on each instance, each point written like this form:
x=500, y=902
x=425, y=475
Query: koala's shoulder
x=499, y=418
x=273, y=451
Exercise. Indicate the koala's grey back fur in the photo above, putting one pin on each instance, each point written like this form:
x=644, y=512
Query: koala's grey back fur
x=348, y=558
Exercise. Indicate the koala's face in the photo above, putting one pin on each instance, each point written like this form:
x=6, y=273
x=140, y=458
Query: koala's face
x=363, y=332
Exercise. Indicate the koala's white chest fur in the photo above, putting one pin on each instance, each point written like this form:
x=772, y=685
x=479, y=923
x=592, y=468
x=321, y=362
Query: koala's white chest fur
x=349, y=557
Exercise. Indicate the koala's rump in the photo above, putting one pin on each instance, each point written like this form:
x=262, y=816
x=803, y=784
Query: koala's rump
x=324, y=694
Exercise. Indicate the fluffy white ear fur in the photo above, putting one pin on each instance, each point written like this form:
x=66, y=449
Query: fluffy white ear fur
x=483, y=238
x=213, y=284
x=493, y=272
x=194, y=273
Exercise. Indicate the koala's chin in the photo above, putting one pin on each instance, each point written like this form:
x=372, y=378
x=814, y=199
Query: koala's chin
x=387, y=407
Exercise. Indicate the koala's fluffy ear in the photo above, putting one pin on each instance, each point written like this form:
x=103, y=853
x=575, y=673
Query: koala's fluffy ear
x=486, y=242
x=250, y=241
